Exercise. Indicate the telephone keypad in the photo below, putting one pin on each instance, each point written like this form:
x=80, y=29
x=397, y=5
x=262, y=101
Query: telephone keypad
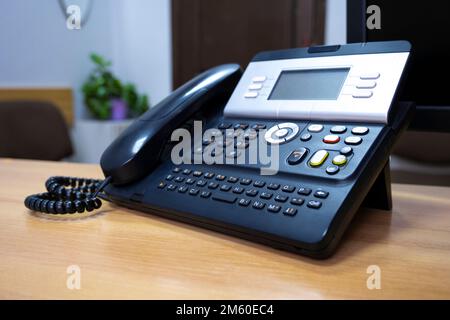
x=272, y=196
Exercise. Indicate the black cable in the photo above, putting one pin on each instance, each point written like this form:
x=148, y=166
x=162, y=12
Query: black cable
x=67, y=195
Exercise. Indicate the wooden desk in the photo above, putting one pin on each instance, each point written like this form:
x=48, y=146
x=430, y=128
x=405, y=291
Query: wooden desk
x=127, y=254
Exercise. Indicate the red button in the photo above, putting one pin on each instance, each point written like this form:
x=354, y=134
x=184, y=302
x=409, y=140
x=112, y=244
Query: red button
x=331, y=138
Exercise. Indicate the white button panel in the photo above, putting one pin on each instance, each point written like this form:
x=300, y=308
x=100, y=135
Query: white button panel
x=367, y=91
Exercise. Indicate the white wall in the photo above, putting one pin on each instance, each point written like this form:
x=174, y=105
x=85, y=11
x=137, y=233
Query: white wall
x=335, y=22
x=143, y=45
x=38, y=50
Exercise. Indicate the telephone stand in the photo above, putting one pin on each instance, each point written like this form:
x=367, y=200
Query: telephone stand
x=380, y=195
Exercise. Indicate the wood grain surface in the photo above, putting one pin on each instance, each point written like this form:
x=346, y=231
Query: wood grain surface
x=127, y=254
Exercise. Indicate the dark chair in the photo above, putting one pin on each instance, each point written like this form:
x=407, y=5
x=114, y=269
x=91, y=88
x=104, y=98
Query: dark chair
x=33, y=130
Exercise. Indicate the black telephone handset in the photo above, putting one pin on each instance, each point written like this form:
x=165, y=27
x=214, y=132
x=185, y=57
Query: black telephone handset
x=136, y=151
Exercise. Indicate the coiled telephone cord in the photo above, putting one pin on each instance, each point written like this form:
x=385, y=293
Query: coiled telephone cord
x=67, y=195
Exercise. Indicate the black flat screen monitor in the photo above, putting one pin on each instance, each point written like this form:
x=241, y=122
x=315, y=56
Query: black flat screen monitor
x=426, y=25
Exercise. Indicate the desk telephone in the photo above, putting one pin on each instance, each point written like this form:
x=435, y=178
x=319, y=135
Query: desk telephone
x=330, y=114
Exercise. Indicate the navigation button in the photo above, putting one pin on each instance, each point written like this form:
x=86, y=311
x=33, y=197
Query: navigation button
x=281, y=133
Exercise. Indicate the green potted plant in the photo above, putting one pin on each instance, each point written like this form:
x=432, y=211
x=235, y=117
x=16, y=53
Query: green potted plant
x=107, y=98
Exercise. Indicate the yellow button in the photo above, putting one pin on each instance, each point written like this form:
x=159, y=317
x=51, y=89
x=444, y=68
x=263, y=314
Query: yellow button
x=318, y=158
x=340, y=160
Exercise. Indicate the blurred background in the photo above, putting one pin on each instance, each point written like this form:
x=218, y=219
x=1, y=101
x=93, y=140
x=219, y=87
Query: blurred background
x=68, y=90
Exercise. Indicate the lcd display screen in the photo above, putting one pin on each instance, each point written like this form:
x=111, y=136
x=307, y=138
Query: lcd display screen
x=312, y=84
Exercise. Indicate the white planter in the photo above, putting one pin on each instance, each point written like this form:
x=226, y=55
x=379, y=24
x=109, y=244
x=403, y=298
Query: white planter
x=91, y=137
